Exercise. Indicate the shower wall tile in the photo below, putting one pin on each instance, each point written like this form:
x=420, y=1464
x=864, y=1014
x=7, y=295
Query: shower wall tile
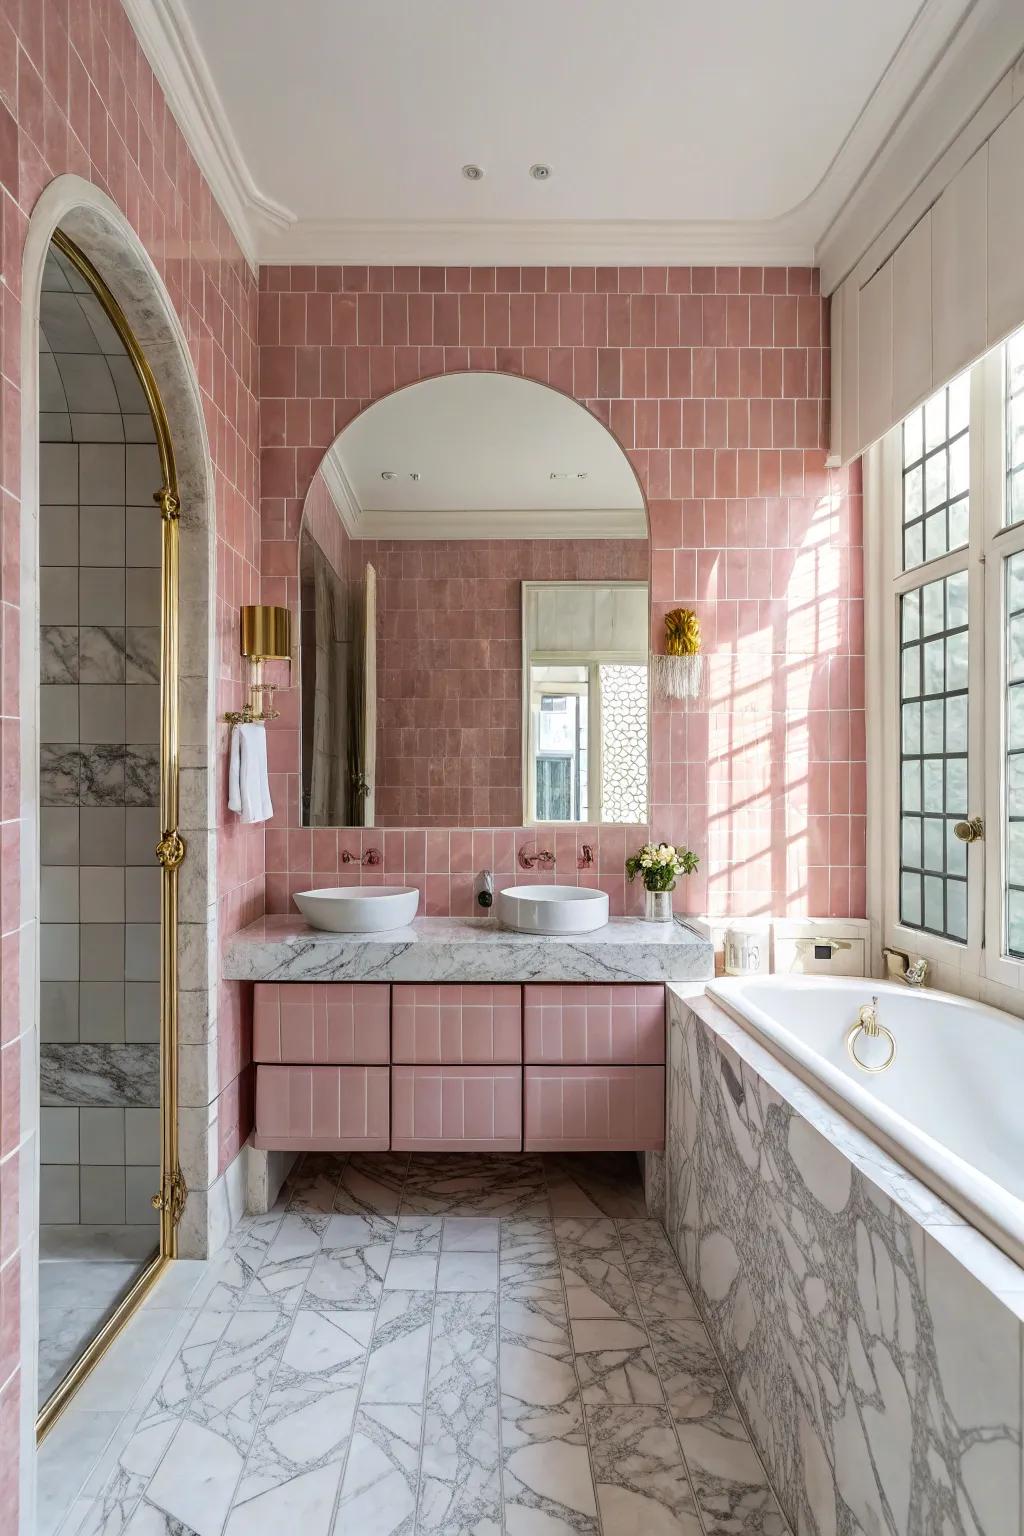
x=58, y=1135
x=101, y=1135
x=106, y=120
x=102, y=1195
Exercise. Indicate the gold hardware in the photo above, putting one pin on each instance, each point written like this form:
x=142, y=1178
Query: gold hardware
x=169, y=504
x=970, y=831
x=171, y=1195
x=867, y=1023
x=913, y=972
x=170, y=850
x=265, y=632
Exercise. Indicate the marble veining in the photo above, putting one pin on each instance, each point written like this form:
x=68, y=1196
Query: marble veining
x=467, y=949
x=99, y=1075
x=880, y=1379
x=305, y=1392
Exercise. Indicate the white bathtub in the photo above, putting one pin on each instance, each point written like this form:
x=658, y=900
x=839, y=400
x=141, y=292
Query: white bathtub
x=951, y=1105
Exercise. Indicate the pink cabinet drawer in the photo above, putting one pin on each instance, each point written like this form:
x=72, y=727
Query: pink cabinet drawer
x=599, y=1109
x=330, y=1108
x=461, y=1025
x=297, y=1021
x=622, y=1025
x=456, y=1109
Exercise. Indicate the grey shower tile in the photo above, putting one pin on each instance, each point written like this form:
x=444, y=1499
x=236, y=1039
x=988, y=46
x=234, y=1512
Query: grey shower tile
x=101, y=595
x=58, y=654
x=59, y=768
x=103, y=713
x=58, y=713
x=103, y=952
x=101, y=1011
x=102, y=652
x=58, y=1011
x=141, y=776
x=101, y=530
x=58, y=594
x=143, y=655
x=142, y=713
x=103, y=835
x=102, y=474
x=102, y=774
x=58, y=835
x=58, y=535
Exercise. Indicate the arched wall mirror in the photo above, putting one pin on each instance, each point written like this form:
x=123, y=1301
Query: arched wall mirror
x=474, y=615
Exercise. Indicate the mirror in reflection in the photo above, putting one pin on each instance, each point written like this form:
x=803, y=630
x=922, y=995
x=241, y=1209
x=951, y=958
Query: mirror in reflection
x=474, y=615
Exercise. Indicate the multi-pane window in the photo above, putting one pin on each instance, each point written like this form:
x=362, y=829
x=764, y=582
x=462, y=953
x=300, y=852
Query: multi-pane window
x=1015, y=428
x=936, y=474
x=1014, y=848
x=933, y=756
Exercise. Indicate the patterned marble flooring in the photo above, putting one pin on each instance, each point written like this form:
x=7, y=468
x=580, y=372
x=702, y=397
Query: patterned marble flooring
x=445, y=1345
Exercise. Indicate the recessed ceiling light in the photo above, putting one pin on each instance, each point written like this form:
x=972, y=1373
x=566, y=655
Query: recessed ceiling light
x=540, y=172
x=389, y=474
x=565, y=474
x=473, y=172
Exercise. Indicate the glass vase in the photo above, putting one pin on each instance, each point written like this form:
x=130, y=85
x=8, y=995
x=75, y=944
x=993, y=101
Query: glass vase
x=657, y=906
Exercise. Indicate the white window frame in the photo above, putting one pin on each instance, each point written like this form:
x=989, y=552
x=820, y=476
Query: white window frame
x=983, y=956
x=590, y=659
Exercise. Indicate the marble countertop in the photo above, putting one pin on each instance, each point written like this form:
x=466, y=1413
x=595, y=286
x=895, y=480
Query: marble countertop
x=468, y=949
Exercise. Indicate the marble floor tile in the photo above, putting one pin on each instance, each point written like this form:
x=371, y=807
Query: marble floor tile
x=349, y=1270
x=371, y=1184
x=378, y=1496
x=640, y=1478
x=460, y=1270
x=460, y=1488
x=396, y=1371
x=411, y=1272
x=729, y=1483
x=471, y=1234
x=615, y=1362
x=64, y=1333
x=418, y=1234
x=428, y=1346
x=605, y=1185
x=67, y=1456
x=307, y=1418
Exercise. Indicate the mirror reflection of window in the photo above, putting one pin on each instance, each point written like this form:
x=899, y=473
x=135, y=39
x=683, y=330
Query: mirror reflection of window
x=431, y=707
x=586, y=676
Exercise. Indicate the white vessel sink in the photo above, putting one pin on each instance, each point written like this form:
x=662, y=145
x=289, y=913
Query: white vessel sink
x=359, y=908
x=552, y=908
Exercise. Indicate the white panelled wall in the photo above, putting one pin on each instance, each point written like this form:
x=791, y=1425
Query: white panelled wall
x=952, y=286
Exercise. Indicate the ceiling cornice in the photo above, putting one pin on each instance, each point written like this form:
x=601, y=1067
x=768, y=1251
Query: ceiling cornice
x=541, y=242
x=169, y=42
x=952, y=53
x=339, y=488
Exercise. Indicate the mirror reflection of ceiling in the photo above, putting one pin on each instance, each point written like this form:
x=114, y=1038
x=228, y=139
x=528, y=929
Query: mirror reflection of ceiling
x=482, y=455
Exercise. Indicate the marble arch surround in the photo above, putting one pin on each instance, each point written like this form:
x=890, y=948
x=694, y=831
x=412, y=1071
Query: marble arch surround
x=98, y=227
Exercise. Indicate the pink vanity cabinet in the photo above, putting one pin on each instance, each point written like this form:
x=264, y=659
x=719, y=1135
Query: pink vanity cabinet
x=459, y=1067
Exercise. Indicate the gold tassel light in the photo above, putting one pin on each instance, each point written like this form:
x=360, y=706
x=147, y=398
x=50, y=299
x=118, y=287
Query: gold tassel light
x=679, y=674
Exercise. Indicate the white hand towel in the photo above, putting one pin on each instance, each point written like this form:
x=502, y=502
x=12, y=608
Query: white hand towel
x=248, y=778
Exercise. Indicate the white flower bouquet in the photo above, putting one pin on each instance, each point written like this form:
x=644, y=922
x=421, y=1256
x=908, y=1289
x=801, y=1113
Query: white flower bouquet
x=660, y=865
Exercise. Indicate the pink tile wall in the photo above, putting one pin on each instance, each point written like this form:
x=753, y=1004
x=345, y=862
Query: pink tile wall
x=76, y=94
x=714, y=380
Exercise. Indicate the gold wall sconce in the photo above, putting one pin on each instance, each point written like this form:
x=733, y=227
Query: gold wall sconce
x=265, y=634
x=679, y=673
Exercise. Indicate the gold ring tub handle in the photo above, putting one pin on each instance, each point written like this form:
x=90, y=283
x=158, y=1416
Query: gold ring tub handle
x=879, y=1029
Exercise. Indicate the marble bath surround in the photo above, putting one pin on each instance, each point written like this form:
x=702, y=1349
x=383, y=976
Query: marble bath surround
x=626, y=949
x=873, y=1338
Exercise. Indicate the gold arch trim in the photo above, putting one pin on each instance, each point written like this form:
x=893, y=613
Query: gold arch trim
x=169, y=1199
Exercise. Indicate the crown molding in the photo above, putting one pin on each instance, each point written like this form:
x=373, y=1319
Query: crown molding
x=540, y=242
x=168, y=39
x=535, y=523
x=339, y=488
x=952, y=54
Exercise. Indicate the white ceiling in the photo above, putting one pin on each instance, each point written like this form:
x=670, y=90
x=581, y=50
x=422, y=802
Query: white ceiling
x=485, y=446
x=676, y=130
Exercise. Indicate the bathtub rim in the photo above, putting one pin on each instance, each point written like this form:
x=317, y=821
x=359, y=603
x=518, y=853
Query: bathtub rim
x=885, y=1163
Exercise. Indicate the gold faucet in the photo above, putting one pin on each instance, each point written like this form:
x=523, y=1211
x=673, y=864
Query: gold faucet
x=912, y=972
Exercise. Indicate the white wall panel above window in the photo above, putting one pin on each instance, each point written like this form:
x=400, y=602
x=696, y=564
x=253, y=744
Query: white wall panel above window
x=875, y=340
x=1006, y=226
x=912, y=318
x=960, y=270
